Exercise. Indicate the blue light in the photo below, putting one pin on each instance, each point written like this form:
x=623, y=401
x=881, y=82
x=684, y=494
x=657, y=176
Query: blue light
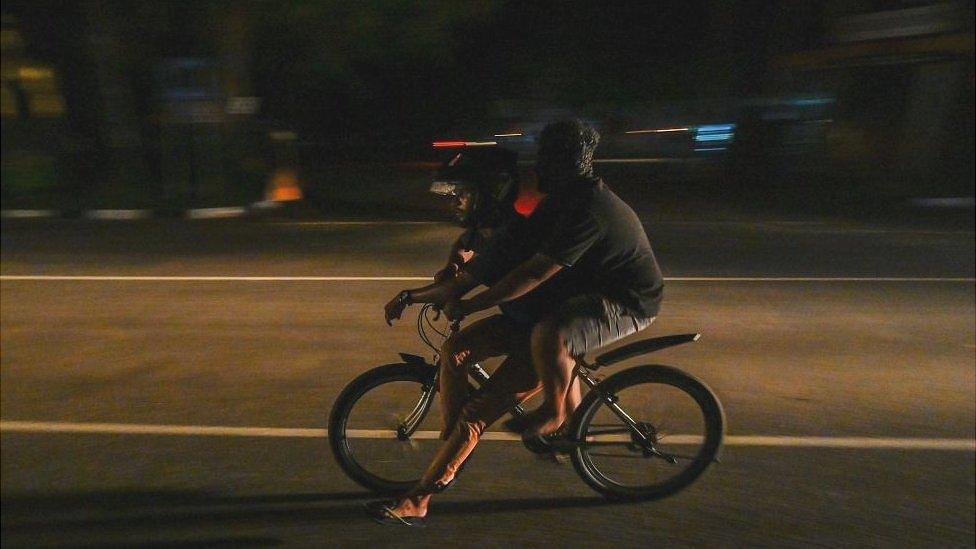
x=715, y=128
x=714, y=137
x=813, y=101
x=714, y=132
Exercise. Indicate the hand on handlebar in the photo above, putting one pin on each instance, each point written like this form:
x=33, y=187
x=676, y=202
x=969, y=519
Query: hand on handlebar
x=454, y=310
x=395, y=307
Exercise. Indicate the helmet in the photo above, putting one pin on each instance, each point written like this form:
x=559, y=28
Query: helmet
x=485, y=178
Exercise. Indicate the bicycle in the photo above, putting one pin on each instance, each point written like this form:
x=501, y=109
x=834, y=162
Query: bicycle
x=387, y=453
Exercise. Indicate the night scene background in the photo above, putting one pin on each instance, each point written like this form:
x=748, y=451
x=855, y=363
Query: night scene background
x=207, y=203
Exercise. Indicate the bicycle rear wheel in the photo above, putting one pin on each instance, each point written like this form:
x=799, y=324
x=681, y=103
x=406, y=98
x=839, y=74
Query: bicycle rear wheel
x=681, y=425
x=366, y=421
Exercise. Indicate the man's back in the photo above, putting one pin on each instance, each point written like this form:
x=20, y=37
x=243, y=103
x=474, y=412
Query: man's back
x=601, y=241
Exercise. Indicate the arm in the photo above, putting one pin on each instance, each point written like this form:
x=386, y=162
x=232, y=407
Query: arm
x=458, y=255
x=520, y=281
x=439, y=292
x=442, y=292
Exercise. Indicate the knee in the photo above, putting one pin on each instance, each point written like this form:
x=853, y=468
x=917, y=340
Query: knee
x=453, y=354
x=469, y=425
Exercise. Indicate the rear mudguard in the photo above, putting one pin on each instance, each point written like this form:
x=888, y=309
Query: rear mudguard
x=643, y=347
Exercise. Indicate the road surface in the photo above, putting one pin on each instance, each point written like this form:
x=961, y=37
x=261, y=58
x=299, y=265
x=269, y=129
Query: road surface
x=851, y=346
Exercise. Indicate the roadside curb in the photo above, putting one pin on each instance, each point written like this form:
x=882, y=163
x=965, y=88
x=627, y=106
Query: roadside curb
x=134, y=214
x=216, y=213
x=29, y=214
x=118, y=214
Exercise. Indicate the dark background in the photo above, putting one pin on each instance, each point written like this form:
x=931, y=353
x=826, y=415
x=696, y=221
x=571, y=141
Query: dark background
x=169, y=105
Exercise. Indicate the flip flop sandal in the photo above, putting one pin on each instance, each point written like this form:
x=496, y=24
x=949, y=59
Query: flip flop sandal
x=376, y=506
x=386, y=515
x=547, y=444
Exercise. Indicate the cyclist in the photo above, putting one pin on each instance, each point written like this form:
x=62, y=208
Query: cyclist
x=601, y=278
x=496, y=240
x=590, y=280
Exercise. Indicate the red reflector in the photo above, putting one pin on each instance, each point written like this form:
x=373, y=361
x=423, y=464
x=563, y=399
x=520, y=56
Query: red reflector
x=527, y=202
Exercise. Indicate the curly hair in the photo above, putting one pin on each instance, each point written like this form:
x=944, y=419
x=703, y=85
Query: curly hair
x=568, y=145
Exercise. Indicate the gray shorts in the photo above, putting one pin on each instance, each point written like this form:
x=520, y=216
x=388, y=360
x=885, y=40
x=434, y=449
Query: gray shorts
x=590, y=321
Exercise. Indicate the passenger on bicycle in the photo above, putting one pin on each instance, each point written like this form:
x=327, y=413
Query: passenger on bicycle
x=595, y=273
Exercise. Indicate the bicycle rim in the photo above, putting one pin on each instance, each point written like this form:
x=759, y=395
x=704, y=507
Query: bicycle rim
x=677, y=413
x=363, y=429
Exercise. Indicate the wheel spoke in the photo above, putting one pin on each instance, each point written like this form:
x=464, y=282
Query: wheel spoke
x=365, y=427
x=682, y=415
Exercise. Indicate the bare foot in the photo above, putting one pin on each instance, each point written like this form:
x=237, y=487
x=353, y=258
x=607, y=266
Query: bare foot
x=543, y=425
x=412, y=506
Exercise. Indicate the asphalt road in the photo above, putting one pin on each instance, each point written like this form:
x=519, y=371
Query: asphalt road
x=810, y=329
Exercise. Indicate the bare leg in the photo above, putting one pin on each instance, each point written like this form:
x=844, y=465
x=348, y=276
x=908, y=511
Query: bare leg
x=453, y=384
x=554, y=366
x=512, y=383
x=573, y=395
x=486, y=338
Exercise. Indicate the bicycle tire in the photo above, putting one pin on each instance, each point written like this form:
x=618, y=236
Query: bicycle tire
x=342, y=408
x=704, y=397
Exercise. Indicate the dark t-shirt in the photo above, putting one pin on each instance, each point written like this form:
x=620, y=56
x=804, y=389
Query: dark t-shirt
x=509, y=245
x=590, y=231
x=602, y=244
x=503, y=249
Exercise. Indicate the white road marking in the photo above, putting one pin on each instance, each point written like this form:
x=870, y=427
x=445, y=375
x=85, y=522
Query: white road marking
x=215, y=278
x=109, y=278
x=143, y=429
x=817, y=279
x=879, y=443
x=362, y=222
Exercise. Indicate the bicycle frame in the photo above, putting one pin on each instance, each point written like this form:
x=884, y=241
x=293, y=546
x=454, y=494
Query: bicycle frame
x=411, y=423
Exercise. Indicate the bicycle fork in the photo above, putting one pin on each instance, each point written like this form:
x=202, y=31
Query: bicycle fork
x=411, y=423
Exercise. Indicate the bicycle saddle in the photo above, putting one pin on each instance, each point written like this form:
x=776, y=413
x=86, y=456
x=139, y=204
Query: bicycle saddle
x=641, y=347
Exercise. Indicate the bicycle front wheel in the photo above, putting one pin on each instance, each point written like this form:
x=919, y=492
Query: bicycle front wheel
x=679, y=429
x=367, y=424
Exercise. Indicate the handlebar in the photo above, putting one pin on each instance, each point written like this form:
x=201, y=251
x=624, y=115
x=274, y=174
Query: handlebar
x=425, y=323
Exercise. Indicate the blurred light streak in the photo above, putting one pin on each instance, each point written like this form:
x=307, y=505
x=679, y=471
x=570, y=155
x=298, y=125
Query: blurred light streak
x=448, y=144
x=714, y=137
x=507, y=135
x=662, y=130
x=35, y=73
x=715, y=128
